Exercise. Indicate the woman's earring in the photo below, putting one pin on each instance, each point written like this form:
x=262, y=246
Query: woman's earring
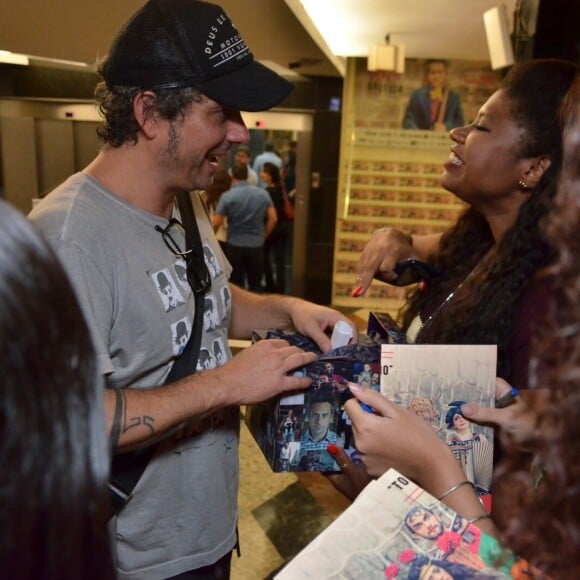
x=522, y=185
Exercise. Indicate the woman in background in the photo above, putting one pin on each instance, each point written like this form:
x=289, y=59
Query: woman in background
x=52, y=425
x=275, y=246
x=222, y=181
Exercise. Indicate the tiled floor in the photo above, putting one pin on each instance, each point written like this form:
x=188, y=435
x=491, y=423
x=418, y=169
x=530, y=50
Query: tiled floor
x=280, y=513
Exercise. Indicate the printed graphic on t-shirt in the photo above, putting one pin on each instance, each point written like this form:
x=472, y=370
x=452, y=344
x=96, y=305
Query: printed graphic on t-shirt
x=212, y=262
x=226, y=298
x=219, y=351
x=181, y=273
x=206, y=360
x=210, y=314
x=180, y=332
x=168, y=291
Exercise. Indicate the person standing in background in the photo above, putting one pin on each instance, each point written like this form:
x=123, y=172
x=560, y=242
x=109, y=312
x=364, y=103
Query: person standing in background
x=268, y=155
x=251, y=219
x=289, y=168
x=275, y=245
x=242, y=157
x=434, y=107
x=221, y=182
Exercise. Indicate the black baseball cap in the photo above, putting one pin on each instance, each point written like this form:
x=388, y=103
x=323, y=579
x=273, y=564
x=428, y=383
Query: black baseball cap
x=190, y=43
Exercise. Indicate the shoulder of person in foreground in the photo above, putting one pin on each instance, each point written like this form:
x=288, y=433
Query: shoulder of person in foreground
x=54, y=440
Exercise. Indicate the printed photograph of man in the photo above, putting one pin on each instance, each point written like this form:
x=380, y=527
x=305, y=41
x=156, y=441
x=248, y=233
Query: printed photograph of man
x=319, y=431
x=434, y=107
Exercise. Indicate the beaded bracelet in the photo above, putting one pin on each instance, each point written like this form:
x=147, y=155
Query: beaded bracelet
x=455, y=488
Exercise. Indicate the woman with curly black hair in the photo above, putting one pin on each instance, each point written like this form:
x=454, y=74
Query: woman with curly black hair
x=537, y=483
x=505, y=165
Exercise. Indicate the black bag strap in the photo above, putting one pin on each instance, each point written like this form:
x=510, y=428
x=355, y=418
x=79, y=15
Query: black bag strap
x=186, y=364
x=127, y=468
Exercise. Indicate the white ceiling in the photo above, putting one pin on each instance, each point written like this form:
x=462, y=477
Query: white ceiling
x=79, y=30
x=441, y=28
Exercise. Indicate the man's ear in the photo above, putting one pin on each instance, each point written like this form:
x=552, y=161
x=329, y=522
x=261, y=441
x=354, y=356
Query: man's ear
x=536, y=169
x=145, y=111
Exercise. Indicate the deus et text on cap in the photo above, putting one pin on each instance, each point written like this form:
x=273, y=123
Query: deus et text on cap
x=189, y=43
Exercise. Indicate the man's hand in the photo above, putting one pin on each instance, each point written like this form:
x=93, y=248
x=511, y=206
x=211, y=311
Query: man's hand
x=259, y=372
x=261, y=311
x=315, y=321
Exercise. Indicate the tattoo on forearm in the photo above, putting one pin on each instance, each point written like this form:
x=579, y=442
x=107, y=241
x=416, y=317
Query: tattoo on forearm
x=122, y=424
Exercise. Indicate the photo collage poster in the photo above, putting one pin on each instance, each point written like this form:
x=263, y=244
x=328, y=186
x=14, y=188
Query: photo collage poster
x=294, y=431
x=311, y=421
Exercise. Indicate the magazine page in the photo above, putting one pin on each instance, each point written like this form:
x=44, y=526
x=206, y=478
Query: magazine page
x=433, y=381
x=395, y=529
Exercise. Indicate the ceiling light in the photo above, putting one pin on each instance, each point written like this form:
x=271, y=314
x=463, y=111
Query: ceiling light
x=8, y=57
x=499, y=43
x=386, y=57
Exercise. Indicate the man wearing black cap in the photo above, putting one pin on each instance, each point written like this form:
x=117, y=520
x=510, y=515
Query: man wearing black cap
x=175, y=80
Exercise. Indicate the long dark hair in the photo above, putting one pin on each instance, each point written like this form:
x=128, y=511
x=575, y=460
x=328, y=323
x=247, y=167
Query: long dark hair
x=52, y=424
x=222, y=181
x=542, y=520
x=274, y=173
x=483, y=313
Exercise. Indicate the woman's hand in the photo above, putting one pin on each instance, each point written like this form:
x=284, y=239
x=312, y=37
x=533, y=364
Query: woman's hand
x=392, y=437
x=386, y=247
x=352, y=479
x=518, y=420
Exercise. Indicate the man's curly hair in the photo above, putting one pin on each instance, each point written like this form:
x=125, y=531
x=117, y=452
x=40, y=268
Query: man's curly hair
x=116, y=108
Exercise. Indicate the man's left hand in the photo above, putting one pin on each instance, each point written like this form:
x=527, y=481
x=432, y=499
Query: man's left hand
x=315, y=321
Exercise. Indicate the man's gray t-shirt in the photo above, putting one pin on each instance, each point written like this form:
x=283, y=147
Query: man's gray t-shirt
x=139, y=306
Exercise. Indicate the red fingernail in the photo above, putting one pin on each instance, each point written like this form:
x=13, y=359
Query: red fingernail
x=356, y=291
x=332, y=449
